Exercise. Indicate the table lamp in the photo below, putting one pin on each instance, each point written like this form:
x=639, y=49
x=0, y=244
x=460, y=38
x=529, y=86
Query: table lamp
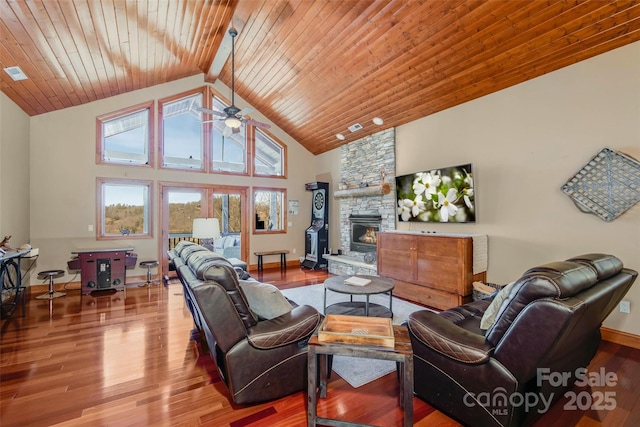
x=206, y=229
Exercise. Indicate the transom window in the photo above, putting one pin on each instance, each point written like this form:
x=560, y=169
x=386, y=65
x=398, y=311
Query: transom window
x=228, y=147
x=124, y=207
x=188, y=138
x=125, y=136
x=269, y=155
x=181, y=132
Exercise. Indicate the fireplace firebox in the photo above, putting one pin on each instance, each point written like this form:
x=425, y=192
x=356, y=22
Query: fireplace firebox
x=364, y=232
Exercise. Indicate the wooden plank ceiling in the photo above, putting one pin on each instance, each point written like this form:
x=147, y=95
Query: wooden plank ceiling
x=312, y=67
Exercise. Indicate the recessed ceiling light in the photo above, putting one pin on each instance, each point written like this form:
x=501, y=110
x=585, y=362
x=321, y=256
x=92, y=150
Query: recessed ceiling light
x=16, y=73
x=377, y=121
x=340, y=136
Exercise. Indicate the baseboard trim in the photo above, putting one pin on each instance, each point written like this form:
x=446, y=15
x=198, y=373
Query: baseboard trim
x=295, y=263
x=620, y=337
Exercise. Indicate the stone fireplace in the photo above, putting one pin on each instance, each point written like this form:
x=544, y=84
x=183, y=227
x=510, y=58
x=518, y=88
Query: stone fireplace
x=364, y=229
x=362, y=198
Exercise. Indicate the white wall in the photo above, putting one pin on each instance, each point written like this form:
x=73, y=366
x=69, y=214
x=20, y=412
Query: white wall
x=14, y=172
x=64, y=171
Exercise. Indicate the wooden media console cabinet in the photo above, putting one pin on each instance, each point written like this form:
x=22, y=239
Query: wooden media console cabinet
x=433, y=269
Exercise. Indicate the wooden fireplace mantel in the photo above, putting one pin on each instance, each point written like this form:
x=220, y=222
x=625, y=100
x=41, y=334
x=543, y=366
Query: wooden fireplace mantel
x=370, y=191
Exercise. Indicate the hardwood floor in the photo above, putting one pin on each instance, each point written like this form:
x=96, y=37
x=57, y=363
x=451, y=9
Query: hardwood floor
x=116, y=360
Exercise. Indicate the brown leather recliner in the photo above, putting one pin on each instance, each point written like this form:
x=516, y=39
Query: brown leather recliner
x=548, y=325
x=258, y=360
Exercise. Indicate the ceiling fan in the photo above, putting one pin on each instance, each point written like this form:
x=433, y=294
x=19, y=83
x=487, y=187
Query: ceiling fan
x=233, y=117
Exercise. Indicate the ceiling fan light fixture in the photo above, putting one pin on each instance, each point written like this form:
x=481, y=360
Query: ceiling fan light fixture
x=233, y=122
x=340, y=136
x=377, y=121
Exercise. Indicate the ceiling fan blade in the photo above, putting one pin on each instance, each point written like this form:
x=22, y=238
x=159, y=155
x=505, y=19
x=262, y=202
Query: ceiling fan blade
x=227, y=131
x=245, y=111
x=235, y=130
x=214, y=112
x=258, y=124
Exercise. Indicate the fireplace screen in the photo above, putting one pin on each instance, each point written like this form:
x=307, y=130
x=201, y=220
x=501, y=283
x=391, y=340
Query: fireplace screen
x=364, y=232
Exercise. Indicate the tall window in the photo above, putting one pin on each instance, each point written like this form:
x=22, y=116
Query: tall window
x=228, y=147
x=269, y=155
x=124, y=207
x=269, y=210
x=181, y=132
x=125, y=136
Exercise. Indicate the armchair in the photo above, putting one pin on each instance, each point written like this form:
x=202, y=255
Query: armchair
x=548, y=323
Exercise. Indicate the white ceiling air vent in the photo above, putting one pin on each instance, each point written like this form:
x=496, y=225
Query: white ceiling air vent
x=355, y=127
x=16, y=73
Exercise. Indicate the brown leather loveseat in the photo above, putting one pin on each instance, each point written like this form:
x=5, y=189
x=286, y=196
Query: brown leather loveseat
x=546, y=328
x=258, y=359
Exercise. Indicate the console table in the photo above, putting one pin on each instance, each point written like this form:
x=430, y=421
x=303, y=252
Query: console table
x=434, y=269
x=102, y=268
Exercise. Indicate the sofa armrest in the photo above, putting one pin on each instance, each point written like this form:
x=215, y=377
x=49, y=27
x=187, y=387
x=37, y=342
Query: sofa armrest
x=448, y=338
x=297, y=325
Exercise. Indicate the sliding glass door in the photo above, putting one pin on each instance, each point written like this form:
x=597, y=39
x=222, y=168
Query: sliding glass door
x=182, y=203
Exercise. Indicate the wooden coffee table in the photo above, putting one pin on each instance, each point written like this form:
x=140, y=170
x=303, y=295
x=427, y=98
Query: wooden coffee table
x=378, y=285
x=402, y=353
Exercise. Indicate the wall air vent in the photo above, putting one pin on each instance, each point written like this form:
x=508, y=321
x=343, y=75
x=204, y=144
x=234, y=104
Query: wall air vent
x=15, y=73
x=355, y=127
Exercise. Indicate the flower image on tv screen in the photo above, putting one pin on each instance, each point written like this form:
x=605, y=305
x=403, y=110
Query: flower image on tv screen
x=437, y=195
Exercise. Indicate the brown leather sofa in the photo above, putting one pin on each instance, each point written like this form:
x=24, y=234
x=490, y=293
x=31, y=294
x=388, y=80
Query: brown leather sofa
x=547, y=325
x=258, y=360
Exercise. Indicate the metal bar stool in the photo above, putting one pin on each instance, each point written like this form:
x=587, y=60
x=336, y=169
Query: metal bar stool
x=149, y=265
x=52, y=292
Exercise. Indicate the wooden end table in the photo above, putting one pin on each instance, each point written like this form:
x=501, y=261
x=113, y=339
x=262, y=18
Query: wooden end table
x=402, y=353
x=378, y=285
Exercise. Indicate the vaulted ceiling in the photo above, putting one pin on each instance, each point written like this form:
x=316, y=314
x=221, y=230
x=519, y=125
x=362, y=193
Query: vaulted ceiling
x=314, y=68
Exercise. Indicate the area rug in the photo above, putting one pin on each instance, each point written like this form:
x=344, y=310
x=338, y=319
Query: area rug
x=354, y=370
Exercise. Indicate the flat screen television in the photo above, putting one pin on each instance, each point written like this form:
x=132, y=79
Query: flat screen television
x=437, y=195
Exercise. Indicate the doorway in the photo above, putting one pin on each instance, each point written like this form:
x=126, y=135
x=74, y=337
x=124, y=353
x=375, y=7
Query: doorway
x=181, y=203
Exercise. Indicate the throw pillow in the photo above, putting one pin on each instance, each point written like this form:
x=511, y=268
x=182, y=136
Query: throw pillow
x=490, y=313
x=265, y=300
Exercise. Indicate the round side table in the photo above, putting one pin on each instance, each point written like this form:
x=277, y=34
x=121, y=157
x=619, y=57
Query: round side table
x=378, y=285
